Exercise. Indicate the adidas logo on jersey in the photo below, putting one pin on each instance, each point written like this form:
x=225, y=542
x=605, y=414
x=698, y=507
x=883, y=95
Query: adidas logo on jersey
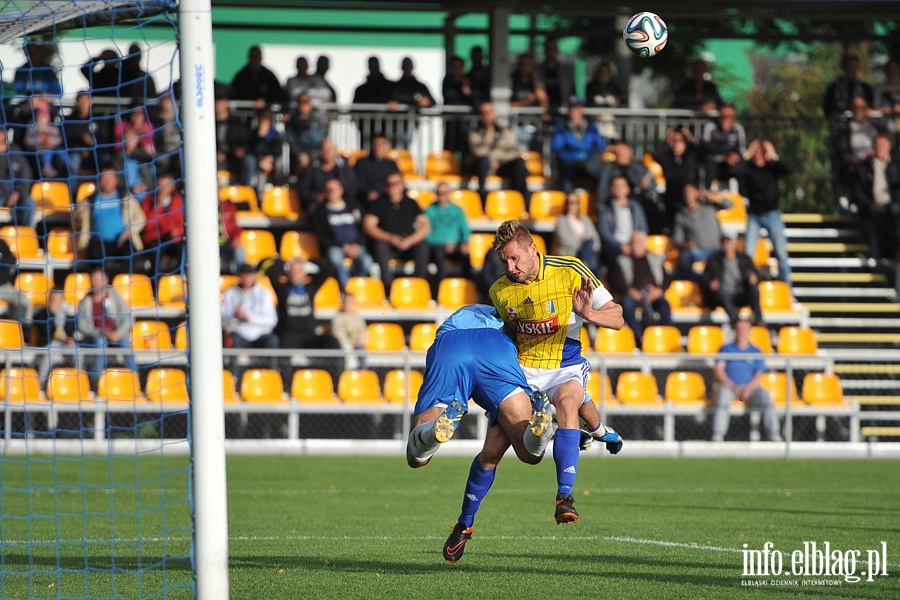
x=528, y=300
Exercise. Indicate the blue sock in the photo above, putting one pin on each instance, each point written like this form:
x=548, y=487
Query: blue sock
x=565, y=455
x=480, y=480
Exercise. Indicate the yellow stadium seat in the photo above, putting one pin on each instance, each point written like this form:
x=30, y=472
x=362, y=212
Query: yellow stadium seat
x=664, y=246
x=223, y=176
x=86, y=189
x=736, y=215
x=547, y=205
x=761, y=338
x=229, y=392
x=313, y=386
x=585, y=338
x=75, y=287
x=167, y=385
x=470, y=202
x=20, y=385
x=423, y=197
x=776, y=385
x=35, y=286
x=151, y=335
x=69, y=385
x=685, y=296
x=501, y=205
x=368, y=292
x=797, y=340
x=61, y=244
x=52, y=196
x=384, y=337
x=181, y=339
x=258, y=245
x=454, y=292
x=360, y=387
x=588, y=203
x=661, y=339
x=241, y=194
x=404, y=161
x=395, y=385
x=136, y=289
x=594, y=389
x=411, y=293
x=534, y=162
x=822, y=389
x=479, y=244
x=611, y=341
x=119, y=385
x=539, y=244
x=262, y=386
x=635, y=387
x=265, y=282
x=762, y=254
x=328, y=296
x=227, y=281
x=705, y=339
x=775, y=296
x=686, y=388
x=22, y=241
x=655, y=169
x=10, y=334
x=299, y=243
x=422, y=336
x=442, y=166
x=281, y=202
x=172, y=291
x=353, y=155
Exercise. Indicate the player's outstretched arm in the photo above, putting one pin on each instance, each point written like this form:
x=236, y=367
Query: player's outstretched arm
x=609, y=315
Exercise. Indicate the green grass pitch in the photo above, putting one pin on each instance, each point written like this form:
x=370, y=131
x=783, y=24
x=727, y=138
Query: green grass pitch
x=370, y=527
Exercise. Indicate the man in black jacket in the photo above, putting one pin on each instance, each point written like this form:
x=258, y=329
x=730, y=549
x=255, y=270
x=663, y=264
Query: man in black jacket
x=730, y=280
x=877, y=195
x=234, y=142
x=372, y=171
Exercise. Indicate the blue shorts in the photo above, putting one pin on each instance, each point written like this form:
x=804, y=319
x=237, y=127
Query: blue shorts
x=481, y=364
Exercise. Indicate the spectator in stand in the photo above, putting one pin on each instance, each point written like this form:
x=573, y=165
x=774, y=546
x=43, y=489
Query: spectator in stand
x=136, y=122
x=730, y=280
x=739, y=379
x=479, y=76
x=723, y=142
x=639, y=177
x=168, y=136
x=839, y=95
x=55, y=327
x=492, y=269
x=856, y=141
x=338, y=227
x=231, y=253
x=696, y=231
x=267, y=148
x=397, y=228
x=109, y=224
x=137, y=84
x=574, y=143
x=528, y=92
x=377, y=89
x=305, y=128
x=15, y=183
x=234, y=142
x=640, y=280
x=18, y=305
x=249, y=317
x=299, y=83
x=320, y=90
x=103, y=82
x=449, y=236
x=37, y=76
x=456, y=90
x=163, y=233
x=43, y=139
x=372, y=171
x=698, y=92
x=135, y=163
x=104, y=321
x=602, y=90
x=494, y=149
x=679, y=161
x=330, y=165
x=758, y=175
x=576, y=235
x=409, y=91
x=554, y=77
x=257, y=83
x=617, y=221
x=350, y=329
x=877, y=197
x=887, y=95
x=82, y=134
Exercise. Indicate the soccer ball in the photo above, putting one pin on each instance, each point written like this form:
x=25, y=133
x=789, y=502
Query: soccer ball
x=645, y=34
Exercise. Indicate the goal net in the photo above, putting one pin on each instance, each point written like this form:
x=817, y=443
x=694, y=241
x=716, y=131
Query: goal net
x=95, y=456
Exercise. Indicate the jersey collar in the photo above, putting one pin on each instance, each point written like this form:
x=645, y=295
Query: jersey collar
x=543, y=269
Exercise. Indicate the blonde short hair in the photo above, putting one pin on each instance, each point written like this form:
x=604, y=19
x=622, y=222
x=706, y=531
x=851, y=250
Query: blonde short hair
x=509, y=231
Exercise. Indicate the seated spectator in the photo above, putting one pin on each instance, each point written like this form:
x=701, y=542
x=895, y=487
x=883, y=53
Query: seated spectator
x=856, y=140
x=104, y=321
x=109, y=224
x=679, y=161
x=234, y=142
x=494, y=149
x=338, y=227
x=37, y=76
x=698, y=92
x=602, y=90
x=372, y=171
x=410, y=91
x=15, y=183
x=257, y=83
x=249, y=317
x=18, y=305
x=576, y=235
x=55, y=328
x=305, y=129
x=877, y=196
x=456, y=90
x=330, y=165
x=640, y=280
x=82, y=134
x=299, y=83
x=44, y=138
x=163, y=233
x=730, y=280
x=739, y=379
x=617, y=221
x=491, y=270
x=397, y=228
x=349, y=328
x=136, y=166
x=724, y=143
x=887, y=95
x=449, y=236
x=697, y=232
x=167, y=137
x=267, y=148
x=573, y=144
x=641, y=182
x=137, y=125
x=231, y=253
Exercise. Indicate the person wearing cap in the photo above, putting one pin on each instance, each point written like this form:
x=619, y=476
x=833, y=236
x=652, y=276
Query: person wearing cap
x=573, y=143
x=730, y=280
x=249, y=316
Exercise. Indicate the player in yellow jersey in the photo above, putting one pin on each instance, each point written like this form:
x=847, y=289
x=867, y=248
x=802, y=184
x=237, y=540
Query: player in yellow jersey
x=547, y=299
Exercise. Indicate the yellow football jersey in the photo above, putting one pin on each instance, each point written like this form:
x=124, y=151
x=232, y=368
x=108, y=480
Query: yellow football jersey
x=547, y=328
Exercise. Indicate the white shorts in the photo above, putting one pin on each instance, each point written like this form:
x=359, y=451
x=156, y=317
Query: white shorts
x=549, y=380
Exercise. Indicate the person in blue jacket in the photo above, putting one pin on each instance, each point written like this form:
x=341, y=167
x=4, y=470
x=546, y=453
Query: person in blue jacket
x=573, y=143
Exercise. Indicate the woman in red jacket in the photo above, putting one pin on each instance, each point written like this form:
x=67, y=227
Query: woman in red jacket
x=164, y=232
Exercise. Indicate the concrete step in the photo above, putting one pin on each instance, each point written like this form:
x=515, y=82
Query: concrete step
x=853, y=323
x=832, y=278
x=816, y=218
x=825, y=248
x=833, y=262
x=859, y=338
x=850, y=292
x=821, y=232
x=853, y=307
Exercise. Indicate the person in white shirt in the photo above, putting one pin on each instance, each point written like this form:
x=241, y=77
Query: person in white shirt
x=248, y=314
